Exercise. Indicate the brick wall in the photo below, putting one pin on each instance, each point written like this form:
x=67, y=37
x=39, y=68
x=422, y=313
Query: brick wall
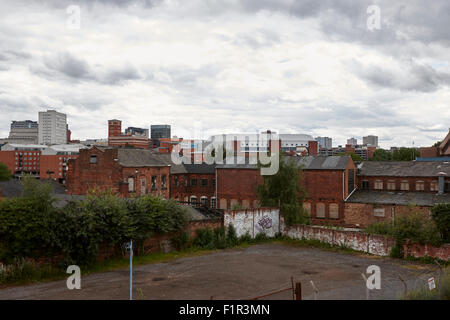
x=253, y=221
x=361, y=215
x=184, y=193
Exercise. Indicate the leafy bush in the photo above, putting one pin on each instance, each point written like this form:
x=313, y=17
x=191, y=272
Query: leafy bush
x=232, y=237
x=220, y=238
x=261, y=237
x=181, y=240
x=204, y=238
x=246, y=238
x=441, y=216
x=21, y=270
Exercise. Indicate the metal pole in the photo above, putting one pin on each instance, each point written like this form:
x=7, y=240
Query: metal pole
x=298, y=291
x=131, y=270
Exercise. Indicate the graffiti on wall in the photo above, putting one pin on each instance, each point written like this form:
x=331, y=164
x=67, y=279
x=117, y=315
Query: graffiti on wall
x=264, y=223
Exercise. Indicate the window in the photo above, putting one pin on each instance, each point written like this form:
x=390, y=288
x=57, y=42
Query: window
x=193, y=182
x=334, y=211
x=404, y=186
x=93, y=159
x=193, y=200
x=175, y=181
x=143, y=186
x=391, y=185
x=320, y=210
x=204, y=182
x=223, y=204
x=420, y=186
x=163, y=182
x=378, y=212
x=434, y=186
x=378, y=184
x=307, y=207
x=186, y=181
x=153, y=182
x=213, y=203
x=213, y=182
x=130, y=184
x=204, y=201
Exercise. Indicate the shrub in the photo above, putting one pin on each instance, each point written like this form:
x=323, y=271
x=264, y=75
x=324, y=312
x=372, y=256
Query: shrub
x=246, y=238
x=204, y=238
x=261, y=237
x=441, y=216
x=232, y=237
x=220, y=239
x=181, y=240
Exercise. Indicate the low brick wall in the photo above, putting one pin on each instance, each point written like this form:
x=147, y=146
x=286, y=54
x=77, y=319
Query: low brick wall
x=374, y=244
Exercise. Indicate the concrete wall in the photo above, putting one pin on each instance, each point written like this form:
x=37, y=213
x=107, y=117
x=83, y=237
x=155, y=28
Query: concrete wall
x=253, y=221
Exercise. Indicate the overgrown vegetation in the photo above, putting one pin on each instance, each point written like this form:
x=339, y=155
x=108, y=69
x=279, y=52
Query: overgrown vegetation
x=413, y=225
x=441, y=216
x=283, y=190
x=441, y=292
x=31, y=227
x=5, y=174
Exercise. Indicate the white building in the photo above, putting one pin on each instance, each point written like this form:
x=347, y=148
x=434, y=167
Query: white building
x=52, y=127
x=370, y=141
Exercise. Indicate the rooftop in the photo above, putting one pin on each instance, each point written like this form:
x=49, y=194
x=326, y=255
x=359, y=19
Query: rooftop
x=403, y=168
x=398, y=198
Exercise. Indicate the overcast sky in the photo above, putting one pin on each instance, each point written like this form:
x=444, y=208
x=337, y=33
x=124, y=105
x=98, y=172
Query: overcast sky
x=231, y=66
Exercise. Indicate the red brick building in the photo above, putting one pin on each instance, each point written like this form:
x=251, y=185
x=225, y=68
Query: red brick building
x=442, y=150
x=124, y=171
x=387, y=189
x=328, y=181
x=118, y=139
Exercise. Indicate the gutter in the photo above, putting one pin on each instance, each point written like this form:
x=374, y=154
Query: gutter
x=350, y=194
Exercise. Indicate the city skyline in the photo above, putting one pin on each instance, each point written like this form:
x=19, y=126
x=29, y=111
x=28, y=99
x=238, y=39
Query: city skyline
x=232, y=66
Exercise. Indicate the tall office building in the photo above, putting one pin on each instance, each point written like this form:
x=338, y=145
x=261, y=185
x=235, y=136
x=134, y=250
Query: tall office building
x=370, y=141
x=325, y=142
x=23, y=132
x=352, y=141
x=160, y=131
x=52, y=127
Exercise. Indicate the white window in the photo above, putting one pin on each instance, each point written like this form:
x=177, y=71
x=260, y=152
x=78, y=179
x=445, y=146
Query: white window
x=434, y=186
x=213, y=202
x=379, y=184
x=378, y=212
x=404, y=185
x=420, y=186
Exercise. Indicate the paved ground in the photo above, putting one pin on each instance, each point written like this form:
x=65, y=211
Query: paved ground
x=240, y=273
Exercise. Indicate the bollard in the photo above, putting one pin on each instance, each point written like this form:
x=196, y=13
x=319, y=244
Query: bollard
x=298, y=291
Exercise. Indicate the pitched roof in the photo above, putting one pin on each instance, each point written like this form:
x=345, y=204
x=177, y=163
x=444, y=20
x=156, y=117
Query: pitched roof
x=324, y=162
x=403, y=168
x=139, y=158
x=308, y=163
x=398, y=198
x=13, y=188
x=186, y=168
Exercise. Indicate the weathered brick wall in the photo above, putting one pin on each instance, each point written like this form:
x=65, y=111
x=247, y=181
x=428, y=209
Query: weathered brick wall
x=374, y=244
x=253, y=221
x=361, y=215
x=184, y=193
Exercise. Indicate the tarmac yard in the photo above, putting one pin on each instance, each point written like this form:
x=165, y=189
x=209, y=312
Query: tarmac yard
x=242, y=274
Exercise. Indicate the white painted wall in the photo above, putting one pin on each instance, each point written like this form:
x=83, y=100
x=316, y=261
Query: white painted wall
x=254, y=221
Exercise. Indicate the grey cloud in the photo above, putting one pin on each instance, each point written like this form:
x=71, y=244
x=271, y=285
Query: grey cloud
x=412, y=76
x=69, y=66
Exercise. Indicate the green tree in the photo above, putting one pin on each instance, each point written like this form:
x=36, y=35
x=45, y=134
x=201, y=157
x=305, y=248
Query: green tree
x=441, y=216
x=5, y=174
x=381, y=155
x=283, y=190
x=405, y=154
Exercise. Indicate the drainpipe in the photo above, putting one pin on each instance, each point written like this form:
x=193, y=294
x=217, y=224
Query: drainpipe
x=441, y=177
x=343, y=185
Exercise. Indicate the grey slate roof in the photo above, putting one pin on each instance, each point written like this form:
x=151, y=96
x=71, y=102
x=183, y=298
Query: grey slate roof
x=403, y=168
x=398, y=198
x=308, y=163
x=139, y=158
x=324, y=162
x=13, y=188
x=186, y=168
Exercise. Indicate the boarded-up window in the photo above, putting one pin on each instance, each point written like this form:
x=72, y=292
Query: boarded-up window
x=379, y=184
x=320, y=210
x=130, y=184
x=378, y=212
x=391, y=185
x=404, y=185
x=223, y=204
x=256, y=204
x=234, y=204
x=245, y=204
x=420, y=185
x=434, y=186
x=334, y=211
x=307, y=207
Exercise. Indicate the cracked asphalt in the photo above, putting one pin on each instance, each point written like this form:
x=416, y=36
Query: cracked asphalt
x=241, y=274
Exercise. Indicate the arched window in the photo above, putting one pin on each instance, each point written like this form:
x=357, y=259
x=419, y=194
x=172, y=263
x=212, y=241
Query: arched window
x=204, y=201
x=307, y=207
x=193, y=200
x=404, y=186
x=420, y=186
x=379, y=184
